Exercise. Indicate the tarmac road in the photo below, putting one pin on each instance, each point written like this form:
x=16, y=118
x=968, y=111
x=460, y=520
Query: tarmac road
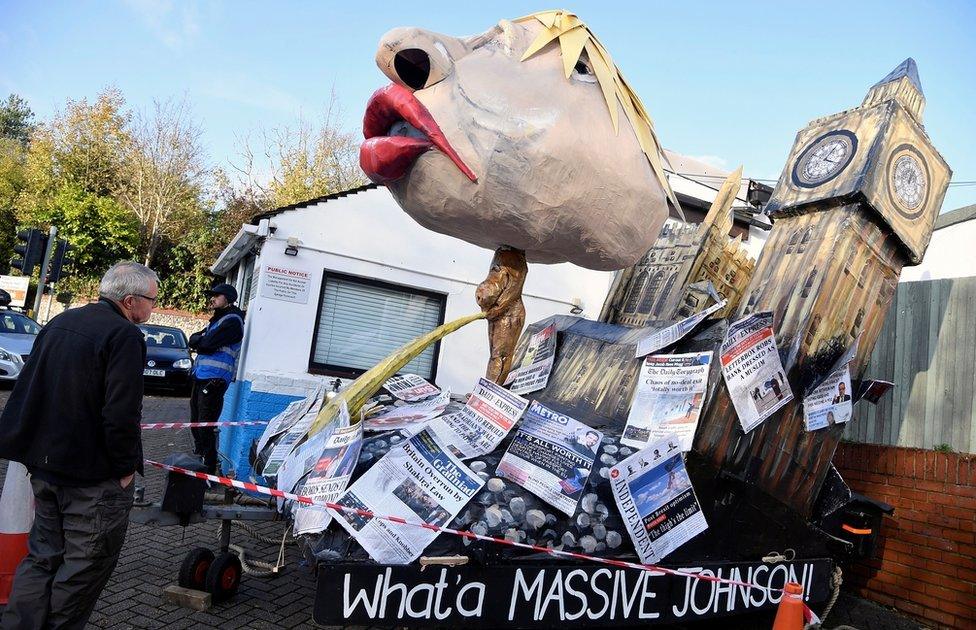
x=151, y=559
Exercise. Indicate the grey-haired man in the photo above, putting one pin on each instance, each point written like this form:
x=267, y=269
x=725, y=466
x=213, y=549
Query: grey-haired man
x=73, y=420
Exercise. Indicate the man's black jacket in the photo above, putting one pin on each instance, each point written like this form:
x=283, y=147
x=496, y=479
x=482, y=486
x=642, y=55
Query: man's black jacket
x=228, y=333
x=75, y=410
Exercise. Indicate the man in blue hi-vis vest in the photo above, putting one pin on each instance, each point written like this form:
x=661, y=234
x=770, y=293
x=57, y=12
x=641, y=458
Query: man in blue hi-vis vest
x=217, y=348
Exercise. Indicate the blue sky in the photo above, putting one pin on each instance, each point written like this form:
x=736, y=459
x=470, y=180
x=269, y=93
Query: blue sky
x=728, y=81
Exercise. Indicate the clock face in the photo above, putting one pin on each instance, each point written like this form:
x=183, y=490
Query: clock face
x=908, y=181
x=824, y=158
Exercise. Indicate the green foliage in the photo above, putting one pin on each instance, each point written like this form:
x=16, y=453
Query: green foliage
x=16, y=119
x=943, y=448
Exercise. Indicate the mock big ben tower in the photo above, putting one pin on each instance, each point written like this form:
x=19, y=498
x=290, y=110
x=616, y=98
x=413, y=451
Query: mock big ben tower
x=855, y=203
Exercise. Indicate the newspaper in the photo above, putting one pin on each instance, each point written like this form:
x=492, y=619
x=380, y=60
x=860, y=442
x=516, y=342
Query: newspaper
x=284, y=420
x=533, y=373
x=655, y=498
x=872, y=391
x=753, y=371
x=292, y=437
x=414, y=414
x=488, y=416
x=300, y=460
x=419, y=480
x=329, y=477
x=830, y=403
x=668, y=399
x=410, y=387
x=551, y=456
x=664, y=338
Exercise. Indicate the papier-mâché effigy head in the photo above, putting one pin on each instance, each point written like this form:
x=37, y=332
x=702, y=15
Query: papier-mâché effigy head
x=525, y=136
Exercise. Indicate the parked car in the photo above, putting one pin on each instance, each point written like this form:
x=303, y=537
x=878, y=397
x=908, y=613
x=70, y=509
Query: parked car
x=168, y=362
x=17, y=335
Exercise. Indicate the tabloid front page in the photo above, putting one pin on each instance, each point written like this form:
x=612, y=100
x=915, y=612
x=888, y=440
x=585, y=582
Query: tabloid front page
x=419, y=480
x=655, y=498
x=410, y=387
x=830, y=403
x=752, y=369
x=300, y=460
x=284, y=420
x=488, y=416
x=329, y=477
x=551, y=456
x=666, y=337
x=533, y=373
x=287, y=443
x=409, y=415
x=668, y=399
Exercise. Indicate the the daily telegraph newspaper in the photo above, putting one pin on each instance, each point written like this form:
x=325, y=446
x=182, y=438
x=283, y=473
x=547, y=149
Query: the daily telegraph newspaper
x=674, y=332
x=284, y=420
x=753, y=371
x=533, y=373
x=830, y=403
x=668, y=399
x=410, y=414
x=329, y=478
x=655, y=498
x=551, y=456
x=410, y=387
x=483, y=422
x=299, y=462
x=419, y=480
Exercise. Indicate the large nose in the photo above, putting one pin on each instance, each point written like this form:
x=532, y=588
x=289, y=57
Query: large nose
x=417, y=59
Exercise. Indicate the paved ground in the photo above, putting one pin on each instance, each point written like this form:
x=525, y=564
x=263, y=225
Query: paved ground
x=151, y=558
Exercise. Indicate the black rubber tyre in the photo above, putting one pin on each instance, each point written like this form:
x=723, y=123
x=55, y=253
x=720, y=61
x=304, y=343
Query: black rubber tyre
x=224, y=576
x=193, y=572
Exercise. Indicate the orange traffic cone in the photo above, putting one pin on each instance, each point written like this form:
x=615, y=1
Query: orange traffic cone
x=789, y=615
x=16, y=519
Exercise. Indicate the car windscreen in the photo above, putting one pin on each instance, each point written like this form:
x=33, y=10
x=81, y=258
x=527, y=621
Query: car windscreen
x=163, y=337
x=17, y=324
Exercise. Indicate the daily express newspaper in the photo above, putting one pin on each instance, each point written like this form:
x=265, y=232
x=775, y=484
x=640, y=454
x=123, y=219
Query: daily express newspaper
x=655, y=498
x=668, y=399
x=410, y=387
x=830, y=403
x=674, y=332
x=329, y=477
x=299, y=462
x=533, y=373
x=408, y=415
x=752, y=370
x=419, y=480
x=551, y=456
x=488, y=416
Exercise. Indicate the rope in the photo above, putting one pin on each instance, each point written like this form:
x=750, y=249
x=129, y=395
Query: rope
x=289, y=540
x=255, y=568
x=835, y=581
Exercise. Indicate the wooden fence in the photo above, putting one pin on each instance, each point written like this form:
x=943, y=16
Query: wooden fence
x=927, y=348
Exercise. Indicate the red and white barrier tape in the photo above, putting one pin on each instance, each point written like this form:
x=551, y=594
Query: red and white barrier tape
x=245, y=485
x=198, y=425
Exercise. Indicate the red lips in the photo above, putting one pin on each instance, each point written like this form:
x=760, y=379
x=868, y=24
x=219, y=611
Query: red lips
x=387, y=158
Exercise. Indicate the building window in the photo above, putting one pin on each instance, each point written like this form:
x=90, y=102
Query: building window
x=360, y=321
x=635, y=292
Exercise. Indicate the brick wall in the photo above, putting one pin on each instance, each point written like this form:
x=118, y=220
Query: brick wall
x=925, y=560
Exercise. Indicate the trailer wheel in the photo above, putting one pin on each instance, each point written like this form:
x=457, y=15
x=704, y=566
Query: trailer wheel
x=224, y=576
x=193, y=571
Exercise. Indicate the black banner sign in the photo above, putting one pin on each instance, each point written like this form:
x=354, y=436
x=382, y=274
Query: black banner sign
x=541, y=595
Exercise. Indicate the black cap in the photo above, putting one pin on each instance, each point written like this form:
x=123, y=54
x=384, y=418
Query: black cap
x=225, y=290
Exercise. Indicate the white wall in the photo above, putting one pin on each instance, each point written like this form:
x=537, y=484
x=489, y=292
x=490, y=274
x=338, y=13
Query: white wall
x=951, y=254
x=367, y=234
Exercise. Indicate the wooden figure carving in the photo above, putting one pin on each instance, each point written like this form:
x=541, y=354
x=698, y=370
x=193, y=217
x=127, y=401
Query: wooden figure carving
x=500, y=297
x=526, y=137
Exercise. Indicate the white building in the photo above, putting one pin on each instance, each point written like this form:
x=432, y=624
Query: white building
x=332, y=285
x=950, y=253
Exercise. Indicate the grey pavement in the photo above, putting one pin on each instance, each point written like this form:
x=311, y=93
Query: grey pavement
x=152, y=556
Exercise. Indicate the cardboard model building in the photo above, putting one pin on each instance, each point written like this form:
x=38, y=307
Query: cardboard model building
x=525, y=138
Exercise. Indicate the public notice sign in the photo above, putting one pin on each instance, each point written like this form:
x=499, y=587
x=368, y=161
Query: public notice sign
x=753, y=371
x=666, y=337
x=551, y=456
x=288, y=285
x=410, y=387
x=655, y=498
x=419, y=481
x=668, y=399
x=483, y=422
x=532, y=374
x=540, y=595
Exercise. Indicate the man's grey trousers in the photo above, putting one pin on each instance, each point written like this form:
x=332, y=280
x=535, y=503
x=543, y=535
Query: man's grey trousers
x=72, y=550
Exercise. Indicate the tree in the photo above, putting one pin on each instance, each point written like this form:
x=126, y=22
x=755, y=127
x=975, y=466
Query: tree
x=164, y=173
x=16, y=127
x=16, y=119
x=305, y=161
